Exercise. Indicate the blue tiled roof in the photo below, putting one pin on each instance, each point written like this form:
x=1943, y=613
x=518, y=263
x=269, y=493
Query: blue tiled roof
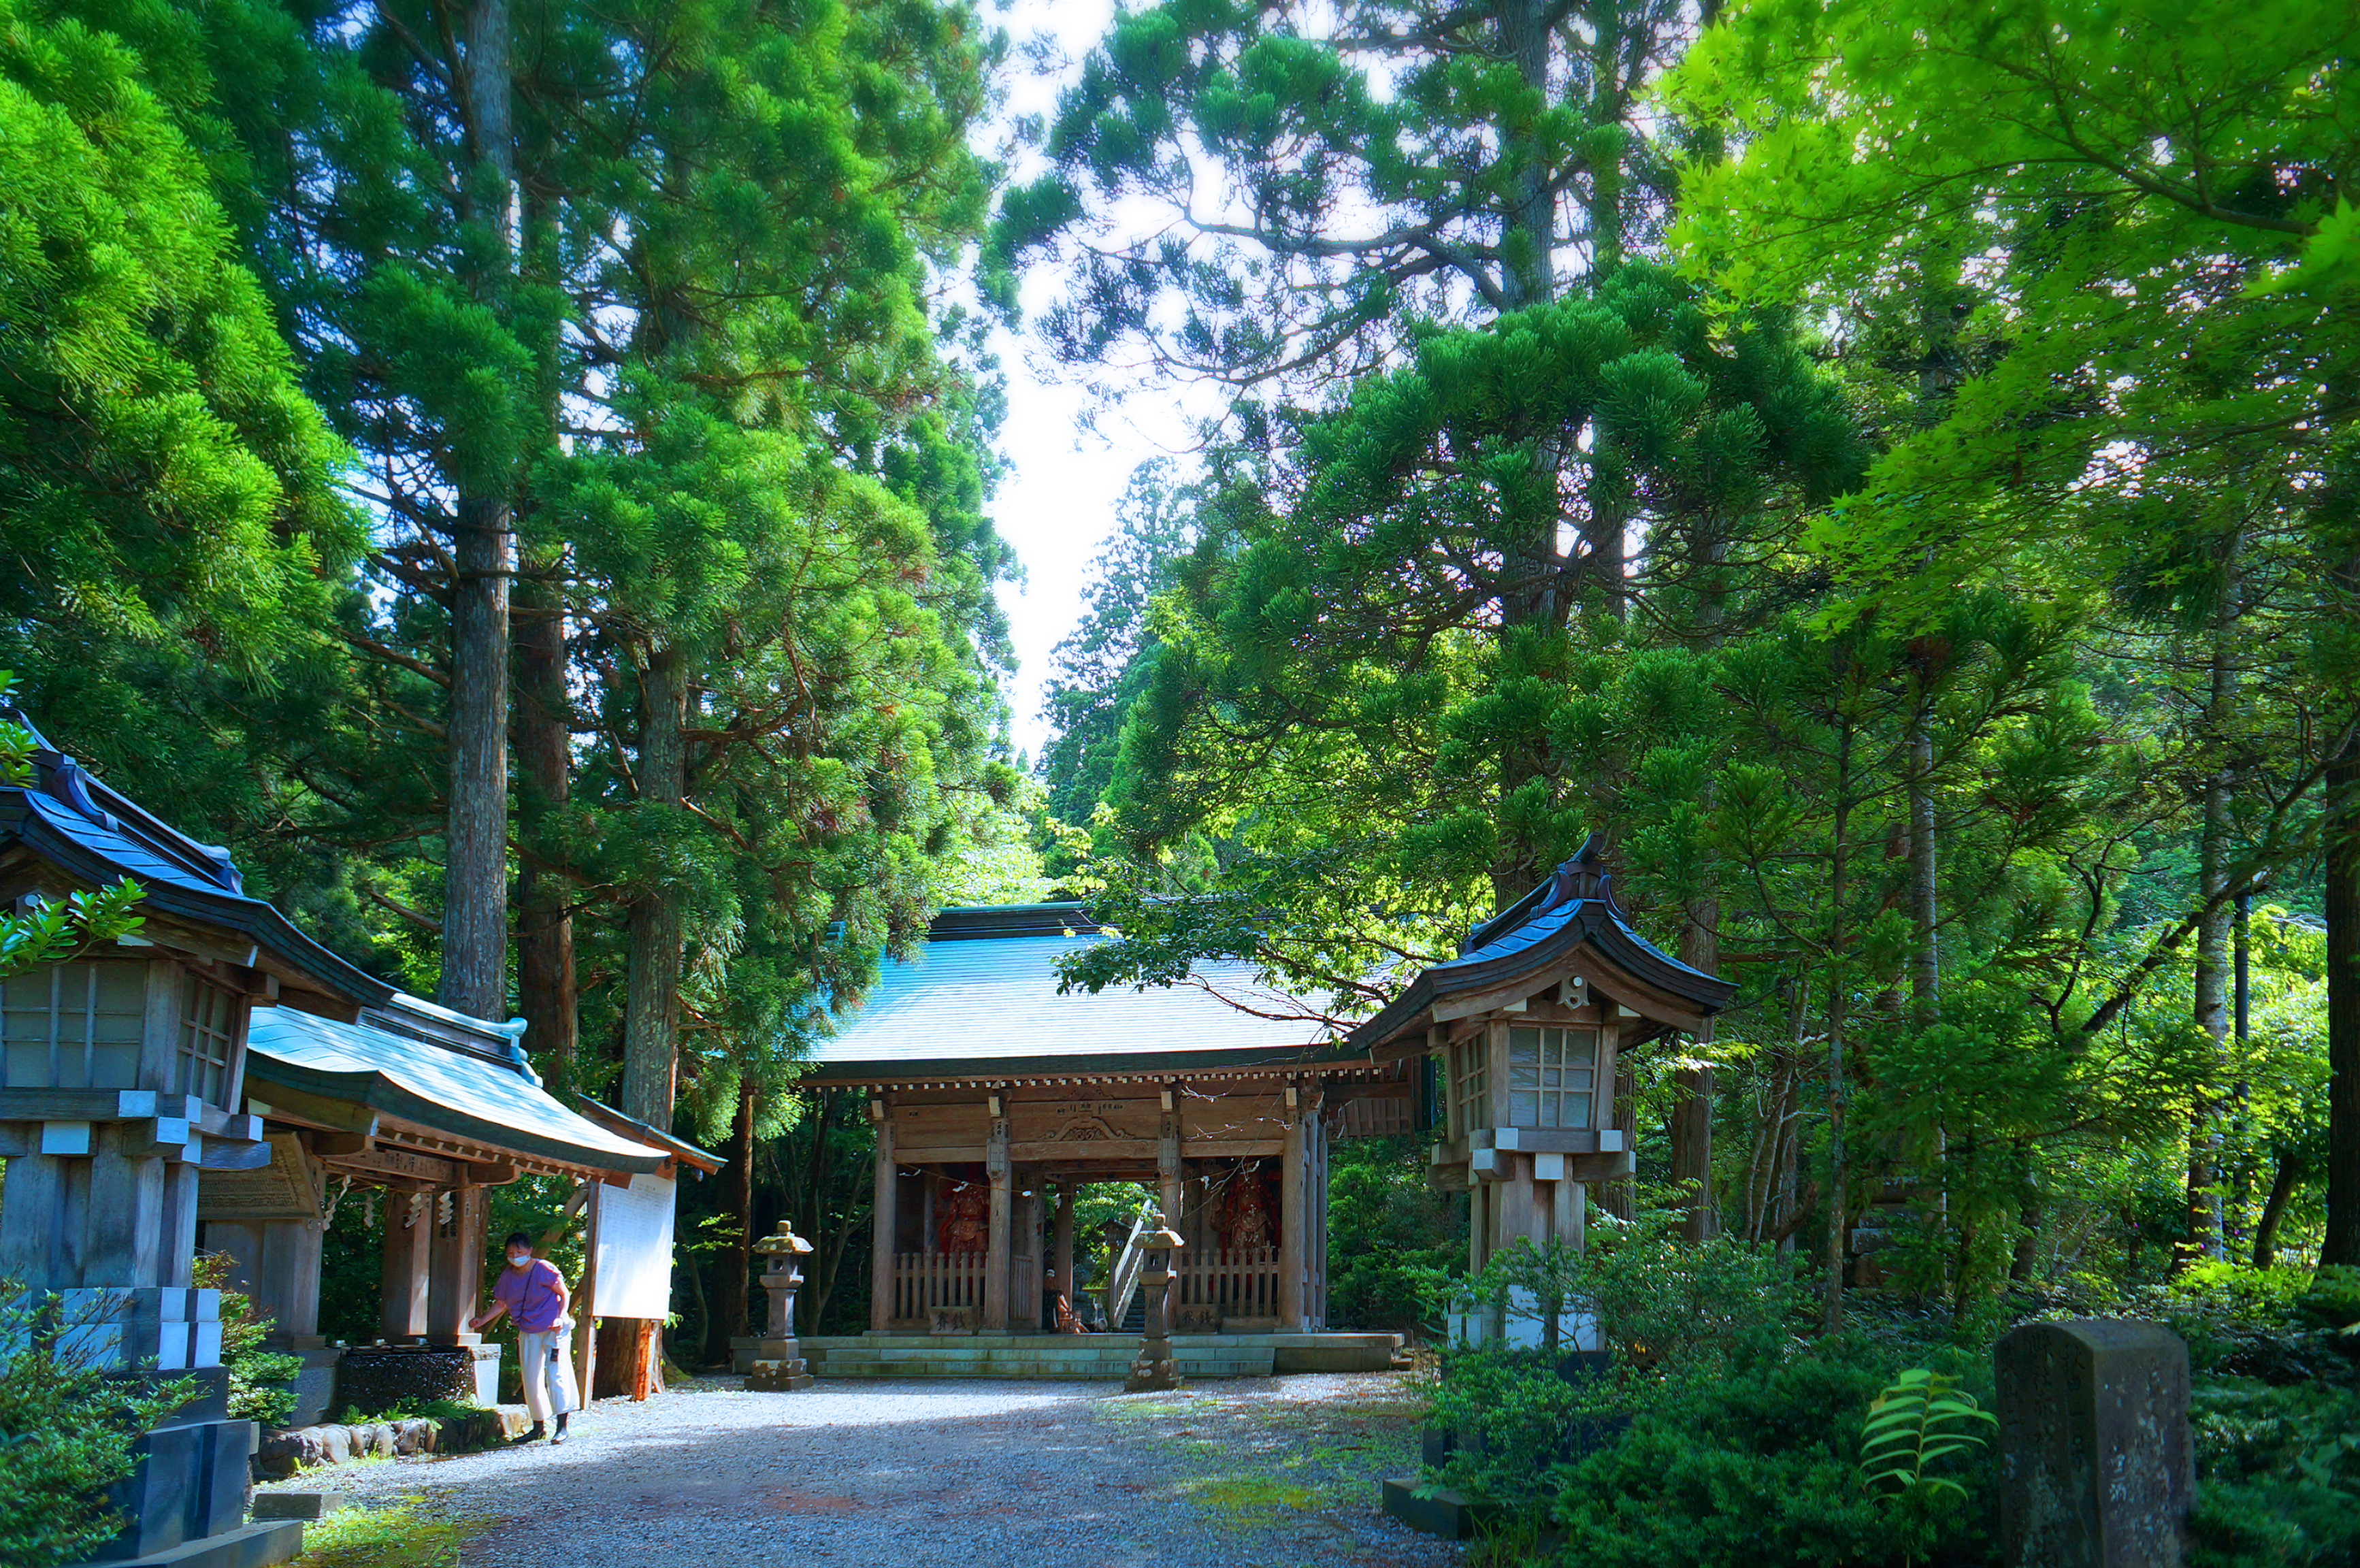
x=96, y=836
x=1571, y=908
x=993, y=1000
x=1541, y=928
x=462, y=1092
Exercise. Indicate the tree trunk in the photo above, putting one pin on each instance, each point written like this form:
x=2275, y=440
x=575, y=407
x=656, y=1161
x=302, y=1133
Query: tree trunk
x=1606, y=102
x=542, y=719
x=2282, y=1189
x=2212, y=976
x=1838, y=1197
x=651, y=1001
x=547, y=986
x=1692, y=1093
x=475, y=841
x=2341, y=828
x=1527, y=272
x=733, y=1275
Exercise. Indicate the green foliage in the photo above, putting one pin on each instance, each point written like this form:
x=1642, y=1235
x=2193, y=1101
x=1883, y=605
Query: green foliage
x=398, y=1535
x=1921, y=1417
x=1391, y=1236
x=261, y=1382
x=412, y=1407
x=1758, y=1468
x=1755, y=1461
x=66, y=1434
x=2279, y=1480
x=2332, y=1297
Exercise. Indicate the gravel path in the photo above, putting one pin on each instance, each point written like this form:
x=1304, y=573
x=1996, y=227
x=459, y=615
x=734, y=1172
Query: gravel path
x=1261, y=1473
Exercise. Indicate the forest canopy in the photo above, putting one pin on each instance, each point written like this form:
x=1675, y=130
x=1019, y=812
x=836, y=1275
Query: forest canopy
x=520, y=475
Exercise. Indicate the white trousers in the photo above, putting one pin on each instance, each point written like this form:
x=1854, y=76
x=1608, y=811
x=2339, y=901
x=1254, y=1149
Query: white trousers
x=547, y=1372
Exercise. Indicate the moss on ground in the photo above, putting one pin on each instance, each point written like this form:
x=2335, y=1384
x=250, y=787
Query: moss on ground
x=1258, y=1466
x=397, y=1535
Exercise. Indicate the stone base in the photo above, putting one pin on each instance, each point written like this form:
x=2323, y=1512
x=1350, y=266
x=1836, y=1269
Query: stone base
x=286, y=1452
x=315, y=1386
x=190, y=1480
x=781, y=1376
x=306, y=1505
x=255, y=1545
x=1151, y=1374
x=1448, y=1514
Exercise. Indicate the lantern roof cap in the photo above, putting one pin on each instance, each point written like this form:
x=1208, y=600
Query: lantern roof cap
x=1568, y=923
x=67, y=817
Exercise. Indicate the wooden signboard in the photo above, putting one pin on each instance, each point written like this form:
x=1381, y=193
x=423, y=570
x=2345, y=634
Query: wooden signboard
x=289, y=1188
x=634, y=1248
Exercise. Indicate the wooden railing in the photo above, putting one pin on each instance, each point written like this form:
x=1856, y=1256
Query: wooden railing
x=924, y=1282
x=1239, y=1282
x=1123, y=1272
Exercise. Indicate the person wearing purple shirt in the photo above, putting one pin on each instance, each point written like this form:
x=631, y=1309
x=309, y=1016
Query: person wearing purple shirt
x=531, y=1293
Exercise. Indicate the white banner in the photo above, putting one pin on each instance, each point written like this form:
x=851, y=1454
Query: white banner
x=634, y=1249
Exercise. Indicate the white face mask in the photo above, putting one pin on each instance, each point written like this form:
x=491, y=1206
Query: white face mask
x=518, y=1259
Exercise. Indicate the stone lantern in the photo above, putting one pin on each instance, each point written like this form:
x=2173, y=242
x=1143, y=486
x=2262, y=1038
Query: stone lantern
x=122, y=1072
x=778, y=1360
x=1153, y=1367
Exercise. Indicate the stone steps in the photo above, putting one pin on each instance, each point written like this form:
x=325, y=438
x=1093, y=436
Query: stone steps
x=1095, y=1357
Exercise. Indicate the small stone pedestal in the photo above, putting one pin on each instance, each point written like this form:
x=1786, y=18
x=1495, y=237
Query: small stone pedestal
x=1153, y=1367
x=778, y=1366
x=2093, y=1446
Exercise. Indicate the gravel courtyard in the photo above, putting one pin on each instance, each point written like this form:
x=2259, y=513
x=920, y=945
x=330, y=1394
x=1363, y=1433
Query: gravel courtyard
x=1266, y=1472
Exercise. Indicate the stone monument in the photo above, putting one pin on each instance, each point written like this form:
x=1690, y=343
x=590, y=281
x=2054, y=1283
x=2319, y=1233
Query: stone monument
x=1153, y=1367
x=778, y=1360
x=2093, y=1446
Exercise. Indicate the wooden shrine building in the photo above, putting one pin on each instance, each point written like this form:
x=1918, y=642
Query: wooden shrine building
x=219, y=1068
x=1522, y=1030
x=995, y=1097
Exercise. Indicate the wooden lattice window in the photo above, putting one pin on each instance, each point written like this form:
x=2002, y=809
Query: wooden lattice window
x=1470, y=1078
x=1552, y=1077
x=208, y=1041
x=73, y=1026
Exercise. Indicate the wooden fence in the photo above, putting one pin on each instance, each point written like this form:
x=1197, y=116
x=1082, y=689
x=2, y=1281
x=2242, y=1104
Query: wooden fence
x=924, y=1282
x=1240, y=1282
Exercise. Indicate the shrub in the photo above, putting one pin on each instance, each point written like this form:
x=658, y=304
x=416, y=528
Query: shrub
x=1390, y=1235
x=1757, y=1467
x=66, y=1435
x=261, y=1382
x=2280, y=1472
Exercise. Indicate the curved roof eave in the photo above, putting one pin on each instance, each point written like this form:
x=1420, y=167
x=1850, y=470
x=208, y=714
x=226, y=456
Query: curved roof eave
x=1590, y=922
x=381, y=1092
x=1114, y=1064
x=262, y=923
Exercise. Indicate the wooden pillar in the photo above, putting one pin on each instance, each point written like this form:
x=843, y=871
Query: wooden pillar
x=586, y=1302
x=277, y=1262
x=1168, y=1171
x=1064, y=1255
x=408, y=1228
x=1293, y=1215
x=1519, y=1207
x=1569, y=1214
x=1315, y=1309
x=1003, y=1229
x=455, y=1263
x=885, y=1203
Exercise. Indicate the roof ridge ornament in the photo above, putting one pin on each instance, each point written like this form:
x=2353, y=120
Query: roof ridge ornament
x=1578, y=874
x=64, y=779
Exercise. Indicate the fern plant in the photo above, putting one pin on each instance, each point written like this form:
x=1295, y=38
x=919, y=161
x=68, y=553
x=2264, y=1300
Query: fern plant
x=1920, y=1417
